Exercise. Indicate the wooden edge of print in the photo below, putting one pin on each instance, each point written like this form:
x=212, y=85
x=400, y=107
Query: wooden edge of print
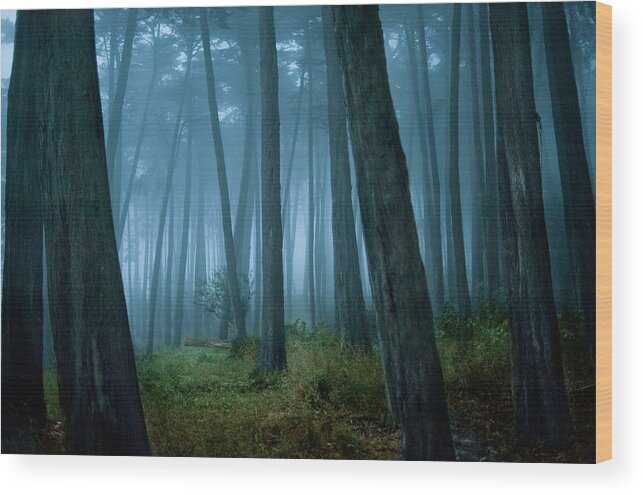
x=603, y=232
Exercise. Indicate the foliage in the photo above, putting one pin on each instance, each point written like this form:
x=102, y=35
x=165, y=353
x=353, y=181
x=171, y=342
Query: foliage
x=213, y=294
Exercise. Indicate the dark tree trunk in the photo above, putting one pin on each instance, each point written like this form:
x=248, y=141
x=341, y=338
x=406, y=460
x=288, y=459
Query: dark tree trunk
x=185, y=232
x=200, y=268
x=405, y=324
x=258, y=256
x=116, y=112
x=490, y=211
x=578, y=199
x=349, y=297
x=166, y=197
x=477, y=229
x=462, y=285
x=169, y=268
x=273, y=348
x=437, y=262
x=228, y=239
x=23, y=406
x=538, y=387
x=310, y=248
x=98, y=386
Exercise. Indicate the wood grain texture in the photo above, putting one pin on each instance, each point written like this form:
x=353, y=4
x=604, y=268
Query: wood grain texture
x=603, y=232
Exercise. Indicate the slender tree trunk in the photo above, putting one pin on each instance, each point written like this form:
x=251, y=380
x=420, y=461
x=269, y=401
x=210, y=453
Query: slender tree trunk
x=23, y=403
x=258, y=257
x=273, y=348
x=185, y=232
x=200, y=270
x=230, y=254
x=137, y=154
x=477, y=230
x=578, y=199
x=405, y=323
x=166, y=197
x=491, y=234
x=435, y=226
x=310, y=249
x=540, y=403
x=116, y=112
x=349, y=297
x=169, y=268
x=462, y=285
x=102, y=408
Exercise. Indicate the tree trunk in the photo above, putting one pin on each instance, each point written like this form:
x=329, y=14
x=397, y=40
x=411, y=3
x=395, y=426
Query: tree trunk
x=490, y=211
x=200, y=269
x=98, y=386
x=310, y=249
x=169, y=266
x=228, y=239
x=435, y=225
x=137, y=153
x=404, y=318
x=540, y=404
x=116, y=112
x=462, y=285
x=166, y=197
x=185, y=232
x=349, y=297
x=273, y=348
x=23, y=403
x=578, y=199
x=477, y=229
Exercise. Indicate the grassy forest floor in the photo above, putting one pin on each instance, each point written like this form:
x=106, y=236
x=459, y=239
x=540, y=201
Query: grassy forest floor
x=332, y=405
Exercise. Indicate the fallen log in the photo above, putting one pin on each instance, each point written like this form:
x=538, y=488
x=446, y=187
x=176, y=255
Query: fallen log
x=209, y=343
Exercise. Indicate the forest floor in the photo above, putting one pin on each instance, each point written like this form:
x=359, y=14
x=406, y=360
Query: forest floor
x=332, y=405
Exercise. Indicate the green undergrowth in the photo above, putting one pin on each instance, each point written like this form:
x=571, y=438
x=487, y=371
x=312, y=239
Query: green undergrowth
x=329, y=404
x=477, y=378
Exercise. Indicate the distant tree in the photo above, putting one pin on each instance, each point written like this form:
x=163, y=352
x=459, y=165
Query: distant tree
x=538, y=386
x=273, y=347
x=228, y=238
x=404, y=318
x=462, y=285
x=116, y=111
x=477, y=229
x=436, y=268
x=171, y=166
x=490, y=210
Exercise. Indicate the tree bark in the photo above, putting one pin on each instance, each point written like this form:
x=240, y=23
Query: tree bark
x=98, y=386
x=578, y=200
x=23, y=403
x=540, y=403
x=349, y=297
x=404, y=318
x=273, y=348
x=230, y=254
x=490, y=211
x=435, y=225
x=310, y=247
x=185, y=232
x=462, y=284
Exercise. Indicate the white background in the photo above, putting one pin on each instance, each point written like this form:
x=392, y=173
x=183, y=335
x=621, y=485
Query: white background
x=52, y=475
